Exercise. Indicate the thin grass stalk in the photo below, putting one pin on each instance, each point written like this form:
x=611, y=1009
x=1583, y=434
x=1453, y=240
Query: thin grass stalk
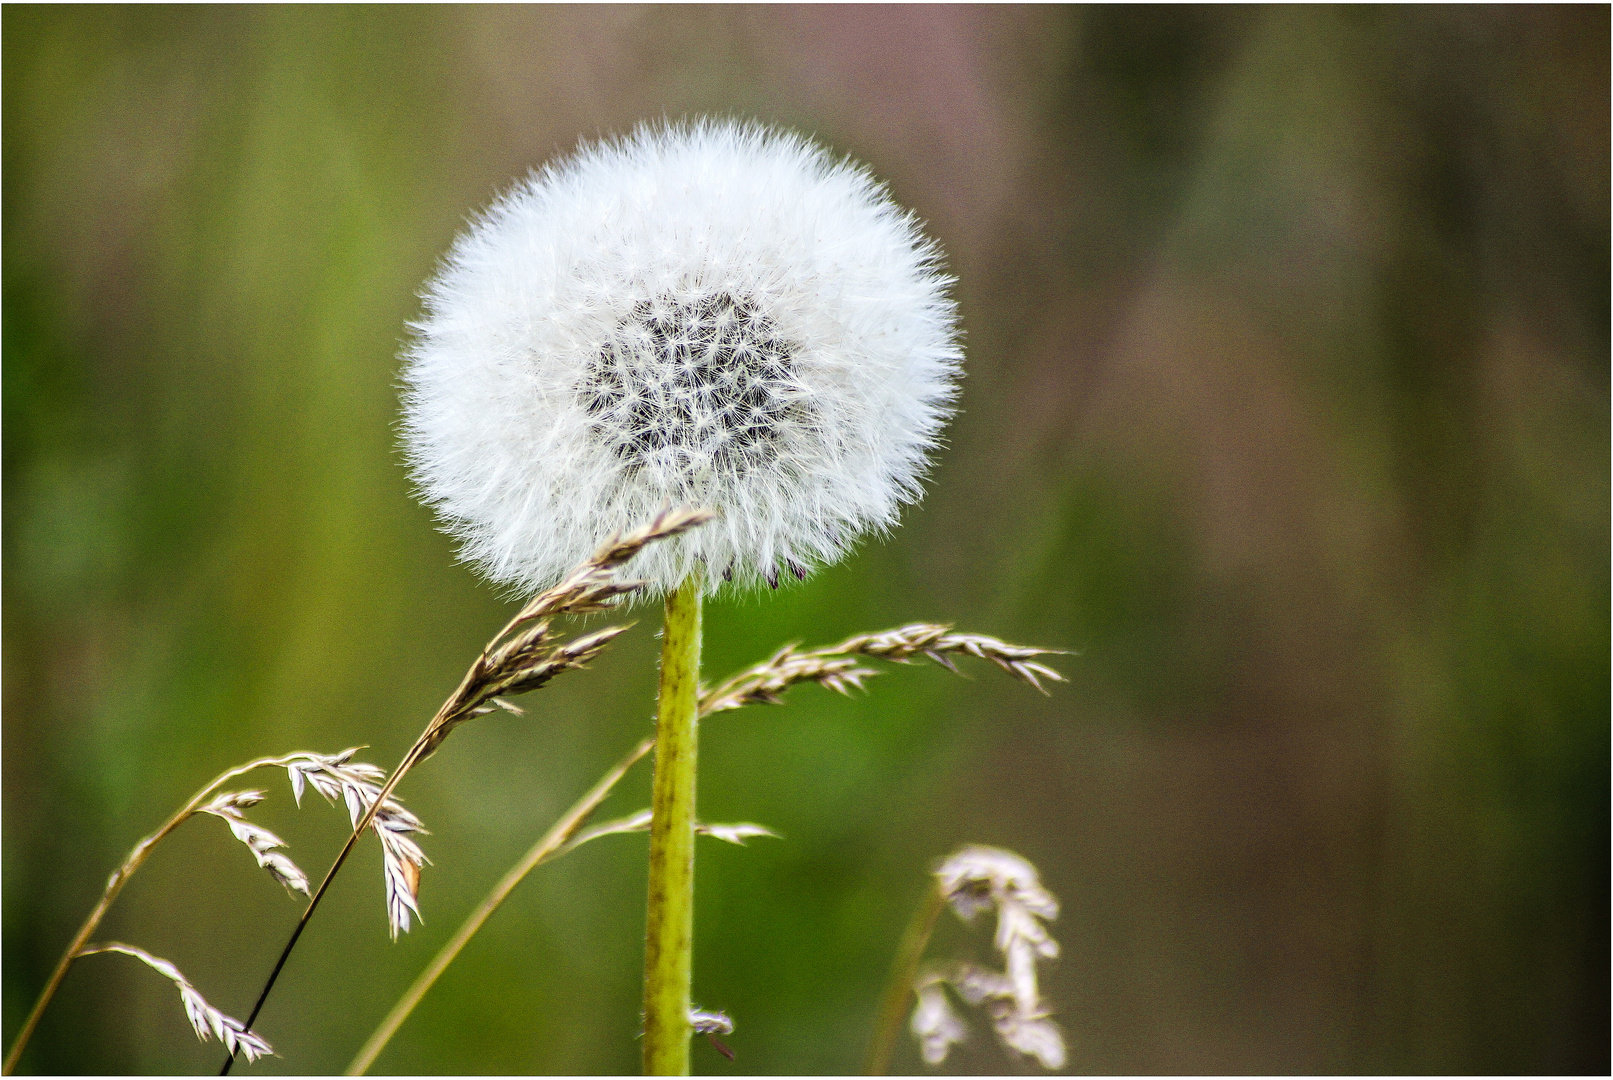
x=114, y=885
x=415, y=754
x=549, y=846
x=893, y=1004
x=546, y=848
x=669, y=918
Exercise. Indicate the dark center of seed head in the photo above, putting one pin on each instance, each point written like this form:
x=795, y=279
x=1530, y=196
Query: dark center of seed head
x=709, y=382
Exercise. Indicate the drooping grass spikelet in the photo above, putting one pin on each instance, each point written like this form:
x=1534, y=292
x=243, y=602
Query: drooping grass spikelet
x=259, y=840
x=357, y=784
x=979, y=879
x=333, y=775
x=205, y=1019
x=935, y=1024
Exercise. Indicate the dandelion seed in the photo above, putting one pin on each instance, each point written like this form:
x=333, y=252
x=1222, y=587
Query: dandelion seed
x=713, y=314
x=710, y=1023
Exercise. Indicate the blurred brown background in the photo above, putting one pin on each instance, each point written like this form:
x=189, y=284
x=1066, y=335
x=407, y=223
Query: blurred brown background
x=1287, y=408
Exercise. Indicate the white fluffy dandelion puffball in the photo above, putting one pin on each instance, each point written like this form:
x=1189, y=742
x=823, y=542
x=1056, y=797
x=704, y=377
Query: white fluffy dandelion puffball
x=712, y=314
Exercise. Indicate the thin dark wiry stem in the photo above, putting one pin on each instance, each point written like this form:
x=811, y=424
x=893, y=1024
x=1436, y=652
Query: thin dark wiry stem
x=836, y=667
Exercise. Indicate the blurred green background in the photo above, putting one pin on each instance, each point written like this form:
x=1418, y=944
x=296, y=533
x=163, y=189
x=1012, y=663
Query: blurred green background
x=1286, y=408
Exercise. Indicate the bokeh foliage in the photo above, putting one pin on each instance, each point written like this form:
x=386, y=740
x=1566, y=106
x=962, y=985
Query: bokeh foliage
x=1287, y=408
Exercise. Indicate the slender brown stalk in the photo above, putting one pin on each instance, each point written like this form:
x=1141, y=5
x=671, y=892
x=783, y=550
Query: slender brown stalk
x=549, y=846
x=114, y=885
x=893, y=1005
x=545, y=849
x=341, y=857
x=204, y=1019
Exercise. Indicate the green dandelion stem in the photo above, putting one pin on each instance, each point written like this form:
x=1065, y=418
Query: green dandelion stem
x=669, y=932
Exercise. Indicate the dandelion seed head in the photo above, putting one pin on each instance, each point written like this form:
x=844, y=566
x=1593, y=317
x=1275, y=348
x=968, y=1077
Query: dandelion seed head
x=712, y=313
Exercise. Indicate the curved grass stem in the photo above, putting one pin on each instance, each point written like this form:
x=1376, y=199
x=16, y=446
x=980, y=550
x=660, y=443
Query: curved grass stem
x=408, y=761
x=521, y=664
x=893, y=1005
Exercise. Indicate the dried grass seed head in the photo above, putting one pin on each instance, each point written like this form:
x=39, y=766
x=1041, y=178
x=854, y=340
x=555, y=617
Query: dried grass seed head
x=357, y=784
x=204, y=1019
x=260, y=841
x=977, y=879
x=935, y=1023
x=711, y=313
